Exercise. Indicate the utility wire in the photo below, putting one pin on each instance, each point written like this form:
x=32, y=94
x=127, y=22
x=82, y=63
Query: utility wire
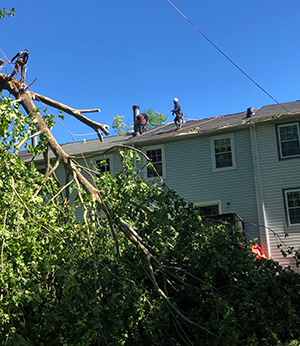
x=227, y=57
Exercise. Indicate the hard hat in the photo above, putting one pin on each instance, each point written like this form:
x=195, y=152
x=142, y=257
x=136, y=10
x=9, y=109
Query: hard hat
x=175, y=100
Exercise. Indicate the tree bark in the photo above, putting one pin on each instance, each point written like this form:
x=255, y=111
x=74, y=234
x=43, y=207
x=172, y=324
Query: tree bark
x=76, y=113
x=14, y=86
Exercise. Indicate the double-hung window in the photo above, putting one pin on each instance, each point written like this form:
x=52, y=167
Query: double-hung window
x=103, y=165
x=156, y=155
x=288, y=140
x=292, y=204
x=223, y=155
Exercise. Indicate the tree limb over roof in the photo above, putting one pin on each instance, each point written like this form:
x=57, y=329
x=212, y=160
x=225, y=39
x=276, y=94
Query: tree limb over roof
x=75, y=112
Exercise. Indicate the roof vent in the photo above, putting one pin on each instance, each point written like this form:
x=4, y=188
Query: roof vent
x=250, y=112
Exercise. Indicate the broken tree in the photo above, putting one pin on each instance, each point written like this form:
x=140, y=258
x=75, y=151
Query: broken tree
x=191, y=284
x=14, y=87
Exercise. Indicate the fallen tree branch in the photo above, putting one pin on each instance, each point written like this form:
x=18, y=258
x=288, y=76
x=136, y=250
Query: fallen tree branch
x=136, y=239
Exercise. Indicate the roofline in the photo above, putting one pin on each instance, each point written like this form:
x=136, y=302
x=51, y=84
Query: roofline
x=246, y=122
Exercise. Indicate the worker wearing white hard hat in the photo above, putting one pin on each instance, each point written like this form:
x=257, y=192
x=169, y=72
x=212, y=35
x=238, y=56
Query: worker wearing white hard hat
x=179, y=115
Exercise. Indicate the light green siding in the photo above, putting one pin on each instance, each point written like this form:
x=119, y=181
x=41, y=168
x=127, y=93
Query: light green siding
x=189, y=171
x=277, y=175
x=253, y=188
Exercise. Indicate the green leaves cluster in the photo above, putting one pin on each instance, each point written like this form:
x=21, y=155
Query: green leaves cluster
x=7, y=13
x=118, y=125
x=62, y=281
x=203, y=269
x=155, y=119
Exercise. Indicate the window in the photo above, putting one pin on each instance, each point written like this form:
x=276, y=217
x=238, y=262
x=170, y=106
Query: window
x=292, y=204
x=103, y=165
x=156, y=156
x=223, y=153
x=209, y=208
x=288, y=140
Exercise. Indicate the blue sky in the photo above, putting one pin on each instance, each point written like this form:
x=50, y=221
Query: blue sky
x=115, y=54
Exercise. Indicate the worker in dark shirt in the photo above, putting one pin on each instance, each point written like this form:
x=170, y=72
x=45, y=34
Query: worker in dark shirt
x=145, y=121
x=179, y=116
x=22, y=58
x=139, y=124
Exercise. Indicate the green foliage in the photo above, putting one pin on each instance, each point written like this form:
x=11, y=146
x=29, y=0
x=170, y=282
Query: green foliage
x=7, y=13
x=118, y=125
x=155, y=118
x=62, y=281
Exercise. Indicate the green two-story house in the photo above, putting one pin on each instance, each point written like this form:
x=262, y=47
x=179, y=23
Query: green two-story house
x=246, y=163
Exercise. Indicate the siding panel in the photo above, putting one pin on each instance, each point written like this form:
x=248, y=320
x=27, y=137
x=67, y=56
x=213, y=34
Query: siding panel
x=277, y=175
x=189, y=172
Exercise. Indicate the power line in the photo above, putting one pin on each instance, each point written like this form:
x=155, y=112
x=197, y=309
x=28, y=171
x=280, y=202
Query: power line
x=227, y=57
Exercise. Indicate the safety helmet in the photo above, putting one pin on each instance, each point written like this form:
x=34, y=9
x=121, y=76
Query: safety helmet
x=175, y=100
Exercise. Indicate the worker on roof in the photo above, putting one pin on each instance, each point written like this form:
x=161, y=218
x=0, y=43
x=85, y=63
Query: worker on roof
x=145, y=121
x=141, y=121
x=22, y=58
x=179, y=115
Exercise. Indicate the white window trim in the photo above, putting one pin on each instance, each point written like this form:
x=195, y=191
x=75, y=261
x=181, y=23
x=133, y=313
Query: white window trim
x=209, y=203
x=286, y=205
x=104, y=157
x=162, y=147
x=212, y=145
x=279, y=141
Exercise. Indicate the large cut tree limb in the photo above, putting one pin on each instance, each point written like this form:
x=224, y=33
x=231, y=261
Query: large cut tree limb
x=75, y=112
x=14, y=87
x=25, y=99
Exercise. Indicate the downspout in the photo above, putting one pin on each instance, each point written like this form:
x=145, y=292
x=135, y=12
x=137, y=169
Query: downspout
x=260, y=200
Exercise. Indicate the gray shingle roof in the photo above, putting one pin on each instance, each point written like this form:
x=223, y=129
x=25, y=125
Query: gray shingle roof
x=217, y=123
x=86, y=147
x=166, y=131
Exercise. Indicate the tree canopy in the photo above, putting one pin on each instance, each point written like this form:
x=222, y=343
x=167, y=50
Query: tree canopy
x=118, y=125
x=155, y=119
x=139, y=268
